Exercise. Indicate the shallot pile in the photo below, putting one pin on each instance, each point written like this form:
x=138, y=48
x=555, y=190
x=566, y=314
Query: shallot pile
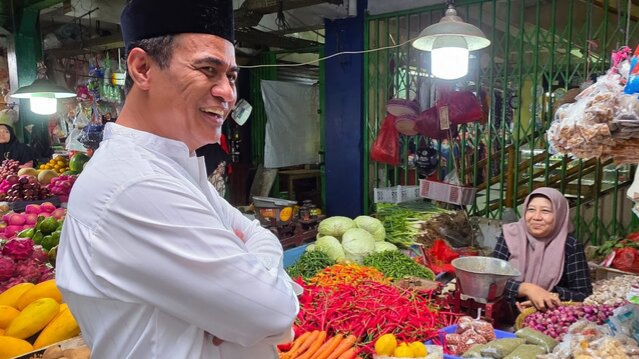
x=555, y=322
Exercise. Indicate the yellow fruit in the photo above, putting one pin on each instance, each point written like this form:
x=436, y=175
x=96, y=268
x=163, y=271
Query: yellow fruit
x=403, y=351
x=63, y=306
x=11, y=347
x=419, y=349
x=11, y=296
x=1, y=332
x=46, y=289
x=385, y=345
x=7, y=315
x=33, y=318
x=62, y=327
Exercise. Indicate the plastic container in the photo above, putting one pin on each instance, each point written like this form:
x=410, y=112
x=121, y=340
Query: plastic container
x=499, y=334
x=292, y=255
x=268, y=209
x=396, y=194
x=446, y=192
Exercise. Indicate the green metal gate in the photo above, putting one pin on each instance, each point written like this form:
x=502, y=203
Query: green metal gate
x=539, y=51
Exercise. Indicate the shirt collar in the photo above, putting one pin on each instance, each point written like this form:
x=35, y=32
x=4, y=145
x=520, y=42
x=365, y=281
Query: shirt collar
x=166, y=146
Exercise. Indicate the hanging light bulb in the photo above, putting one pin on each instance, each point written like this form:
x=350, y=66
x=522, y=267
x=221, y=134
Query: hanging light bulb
x=449, y=58
x=43, y=94
x=450, y=41
x=43, y=105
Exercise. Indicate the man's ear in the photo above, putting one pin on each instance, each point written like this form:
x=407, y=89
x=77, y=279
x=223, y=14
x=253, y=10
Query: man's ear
x=138, y=65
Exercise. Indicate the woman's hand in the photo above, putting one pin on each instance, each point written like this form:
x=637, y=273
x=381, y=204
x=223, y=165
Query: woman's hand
x=539, y=297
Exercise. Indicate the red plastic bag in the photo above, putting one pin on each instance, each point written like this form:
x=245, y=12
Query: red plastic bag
x=439, y=257
x=385, y=148
x=427, y=124
x=626, y=259
x=463, y=106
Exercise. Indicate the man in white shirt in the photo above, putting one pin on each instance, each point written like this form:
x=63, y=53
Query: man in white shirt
x=152, y=261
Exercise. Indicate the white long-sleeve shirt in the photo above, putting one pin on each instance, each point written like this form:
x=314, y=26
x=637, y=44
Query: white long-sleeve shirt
x=151, y=266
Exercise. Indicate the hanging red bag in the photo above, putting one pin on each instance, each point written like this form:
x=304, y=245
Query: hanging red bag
x=463, y=106
x=385, y=148
x=626, y=259
x=427, y=124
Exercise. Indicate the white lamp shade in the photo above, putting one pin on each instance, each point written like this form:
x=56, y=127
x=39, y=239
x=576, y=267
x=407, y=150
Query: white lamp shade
x=44, y=105
x=449, y=58
x=451, y=25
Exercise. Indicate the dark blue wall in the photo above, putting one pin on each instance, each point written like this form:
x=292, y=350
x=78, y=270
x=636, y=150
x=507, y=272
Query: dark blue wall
x=343, y=121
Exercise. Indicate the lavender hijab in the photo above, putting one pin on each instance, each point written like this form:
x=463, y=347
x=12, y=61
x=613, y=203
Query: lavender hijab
x=540, y=260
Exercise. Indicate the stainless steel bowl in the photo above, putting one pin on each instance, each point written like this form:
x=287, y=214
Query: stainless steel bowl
x=483, y=277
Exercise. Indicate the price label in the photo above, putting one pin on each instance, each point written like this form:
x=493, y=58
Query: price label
x=444, y=122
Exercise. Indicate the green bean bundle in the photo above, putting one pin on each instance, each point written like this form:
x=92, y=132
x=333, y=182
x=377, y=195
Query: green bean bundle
x=309, y=264
x=396, y=265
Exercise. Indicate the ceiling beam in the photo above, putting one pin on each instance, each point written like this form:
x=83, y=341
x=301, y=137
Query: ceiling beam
x=251, y=12
x=300, y=29
x=271, y=6
x=39, y=4
x=99, y=44
x=266, y=39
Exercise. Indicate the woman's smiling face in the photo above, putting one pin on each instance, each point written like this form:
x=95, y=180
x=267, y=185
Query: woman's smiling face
x=540, y=217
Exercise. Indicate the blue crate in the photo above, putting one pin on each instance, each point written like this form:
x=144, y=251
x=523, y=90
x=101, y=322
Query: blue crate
x=292, y=255
x=499, y=334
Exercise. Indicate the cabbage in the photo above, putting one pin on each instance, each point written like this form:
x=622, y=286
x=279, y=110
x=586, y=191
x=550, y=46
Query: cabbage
x=330, y=246
x=310, y=248
x=357, y=244
x=373, y=226
x=335, y=226
x=384, y=246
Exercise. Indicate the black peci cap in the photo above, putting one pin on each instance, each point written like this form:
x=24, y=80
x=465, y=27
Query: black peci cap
x=144, y=19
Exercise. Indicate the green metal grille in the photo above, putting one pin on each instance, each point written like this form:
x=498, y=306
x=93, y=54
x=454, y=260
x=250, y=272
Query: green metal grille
x=539, y=50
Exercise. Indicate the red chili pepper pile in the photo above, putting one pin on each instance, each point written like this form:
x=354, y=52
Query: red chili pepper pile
x=369, y=310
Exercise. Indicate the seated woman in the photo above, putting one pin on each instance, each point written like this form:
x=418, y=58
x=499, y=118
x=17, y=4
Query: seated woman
x=551, y=261
x=11, y=148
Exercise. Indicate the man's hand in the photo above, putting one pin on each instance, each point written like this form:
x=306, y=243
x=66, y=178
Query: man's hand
x=539, y=297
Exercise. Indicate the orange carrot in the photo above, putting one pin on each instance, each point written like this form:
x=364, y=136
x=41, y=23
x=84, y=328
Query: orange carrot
x=296, y=344
x=328, y=347
x=346, y=344
x=305, y=344
x=314, y=346
x=349, y=354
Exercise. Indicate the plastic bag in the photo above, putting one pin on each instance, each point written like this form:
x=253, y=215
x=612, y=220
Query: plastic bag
x=474, y=351
x=632, y=86
x=463, y=106
x=385, y=148
x=537, y=338
x=439, y=257
x=526, y=351
x=626, y=259
x=427, y=124
x=500, y=348
x=625, y=321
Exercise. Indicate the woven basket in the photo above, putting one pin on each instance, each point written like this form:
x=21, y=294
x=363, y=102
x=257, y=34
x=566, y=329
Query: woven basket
x=519, y=322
